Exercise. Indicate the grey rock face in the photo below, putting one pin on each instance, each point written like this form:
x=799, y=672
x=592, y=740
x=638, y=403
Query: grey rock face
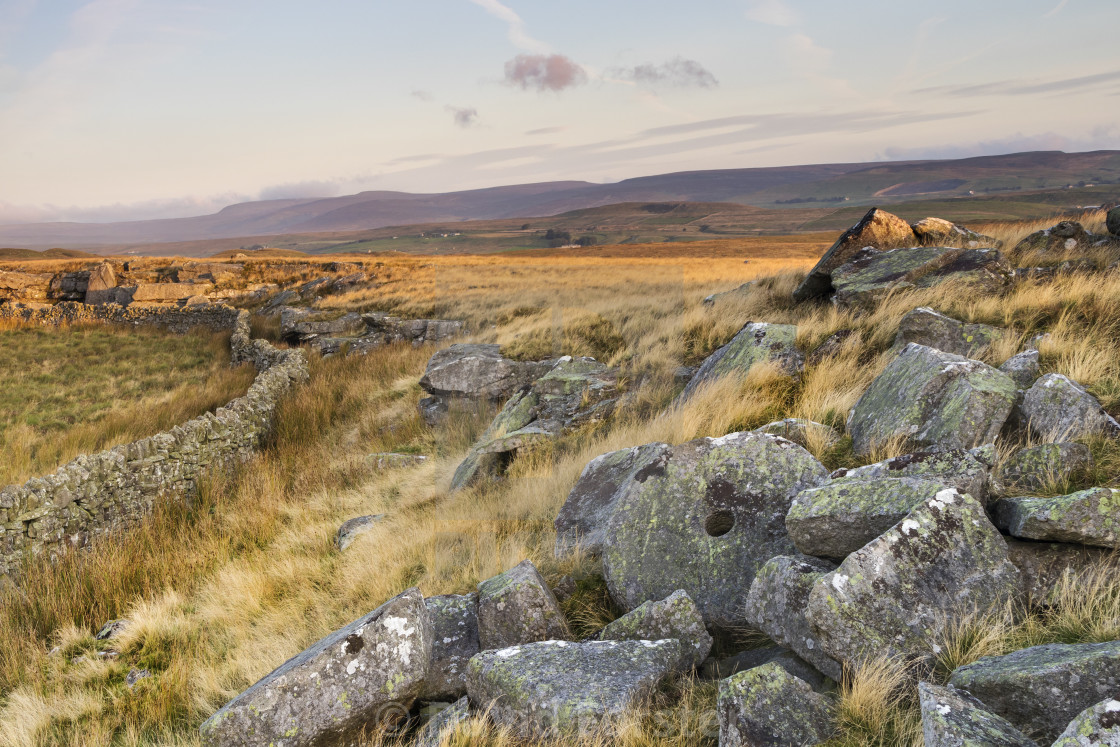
x=1087, y=517
x=967, y=470
x=871, y=275
x=443, y=723
x=366, y=673
x=298, y=325
x=1034, y=467
x=769, y=706
x=801, y=431
x=518, y=607
x=478, y=373
x=897, y=594
x=1043, y=565
x=932, y=399
x=1041, y=689
x=927, y=327
x=1098, y=725
x=756, y=342
x=583, y=518
x=454, y=641
x=1057, y=408
x=951, y=718
x=351, y=529
x=839, y=518
x=102, y=286
x=940, y=232
x=776, y=606
x=703, y=518
x=1023, y=368
x=674, y=617
x=556, y=688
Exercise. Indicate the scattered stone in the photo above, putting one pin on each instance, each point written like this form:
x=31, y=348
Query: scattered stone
x=351, y=529
x=113, y=629
x=1023, y=368
x=830, y=348
x=1097, y=725
x=871, y=274
x=1061, y=239
x=454, y=622
x=135, y=675
x=839, y=518
x=1087, y=517
x=933, y=399
x=1057, y=408
x=1041, y=689
x=769, y=706
x=877, y=229
x=898, y=593
x=776, y=606
x=802, y=432
x=951, y=718
x=927, y=327
x=967, y=470
x=443, y=724
x=755, y=342
x=554, y=688
x=940, y=232
x=674, y=617
x=1043, y=566
x=741, y=291
x=469, y=374
x=703, y=518
x=1034, y=467
x=517, y=607
x=391, y=460
x=368, y=672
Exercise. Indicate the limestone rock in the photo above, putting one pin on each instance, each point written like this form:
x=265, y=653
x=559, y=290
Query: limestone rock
x=1097, y=725
x=967, y=470
x=583, y=518
x=927, y=327
x=871, y=275
x=299, y=325
x=703, y=519
x=951, y=718
x=1033, y=467
x=368, y=672
x=1088, y=517
x=157, y=292
x=776, y=606
x=802, y=432
x=553, y=688
x=351, y=529
x=1041, y=689
x=896, y=594
x=454, y=641
x=102, y=285
x=877, y=229
x=837, y=519
x=769, y=706
x=443, y=723
x=932, y=398
x=478, y=373
x=674, y=617
x=755, y=342
x=1057, y=408
x=940, y=232
x=1043, y=565
x=517, y=607
x=1023, y=368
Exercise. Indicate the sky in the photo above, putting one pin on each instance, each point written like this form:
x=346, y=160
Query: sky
x=129, y=109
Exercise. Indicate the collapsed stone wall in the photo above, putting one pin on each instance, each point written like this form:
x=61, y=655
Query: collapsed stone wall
x=216, y=317
x=99, y=493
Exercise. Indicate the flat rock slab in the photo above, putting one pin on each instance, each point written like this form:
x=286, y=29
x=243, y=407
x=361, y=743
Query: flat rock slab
x=674, y=617
x=871, y=275
x=755, y=342
x=1035, y=467
x=454, y=622
x=478, y=372
x=366, y=673
x=769, y=706
x=1041, y=689
x=951, y=718
x=518, y=607
x=703, y=519
x=1088, y=517
x=555, y=688
x=932, y=329
x=1056, y=408
x=802, y=432
x=967, y=470
x=1098, y=725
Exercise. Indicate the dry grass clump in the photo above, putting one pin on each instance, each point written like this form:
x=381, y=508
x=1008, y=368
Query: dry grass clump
x=877, y=705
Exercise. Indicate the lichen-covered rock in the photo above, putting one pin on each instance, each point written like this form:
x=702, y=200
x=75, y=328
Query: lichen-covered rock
x=1041, y=689
x=351, y=529
x=967, y=470
x=877, y=229
x=776, y=606
x=478, y=372
x=871, y=275
x=582, y=520
x=443, y=723
x=518, y=607
x=720, y=669
x=940, y=232
x=1087, y=517
x=802, y=432
x=1057, y=408
x=454, y=641
x=934, y=399
x=674, y=617
x=703, y=518
x=1023, y=368
x=756, y=342
x=1034, y=467
x=366, y=673
x=1097, y=726
x=839, y=518
x=769, y=706
x=1059, y=240
x=1043, y=566
x=554, y=688
x=896, y=595
x=927, y=327
x=951, y=718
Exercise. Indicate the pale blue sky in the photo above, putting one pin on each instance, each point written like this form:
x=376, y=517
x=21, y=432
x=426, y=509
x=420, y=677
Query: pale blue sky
x=137, y=108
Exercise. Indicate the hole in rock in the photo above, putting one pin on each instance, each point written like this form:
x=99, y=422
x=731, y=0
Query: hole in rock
x=719, y=523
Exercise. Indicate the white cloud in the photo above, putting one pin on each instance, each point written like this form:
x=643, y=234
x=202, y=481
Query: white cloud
x=1056, y=9
x=773, y=13
x=516, y=32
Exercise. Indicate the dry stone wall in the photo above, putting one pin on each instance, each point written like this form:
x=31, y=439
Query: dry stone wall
x=217, y=317
x=99, y=493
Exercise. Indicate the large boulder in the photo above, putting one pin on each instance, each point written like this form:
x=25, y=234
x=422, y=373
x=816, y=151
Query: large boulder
x=1096, y=725
x=102, y=285
x=518, y=607
x=555, y=688
x=478, y=373
x=931, y=398
x=769, y=706
x=951, y=718
x=1041, y=689
x=877, y=229
x=582, y=521
x=366, y=673
x=776, y=606
x=1034, y=467
x=1023, y=368
x=1087, y=517
x=927, y=327
x=454, y=641
x=940, y=232
x=299, y=325
x=1057, y=408
x=837, y=519
x=967, y=470
x=755, y=342
x=871, y=275
x=674, y=617
x=704, y=518
x=896, y=595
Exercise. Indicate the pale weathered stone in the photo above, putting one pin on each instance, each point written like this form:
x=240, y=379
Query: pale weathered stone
x=951, y=718
x=927, y=327
x=1023, y=368
x=1057, y=408
x=518, y=607
x=351, y=529
x=755, y=342
x=674, y=617
x=967, y=470
x=877, y=229
x=102, y=285
x=454, y=621
x=1087, y=517
x=1096, y=726
x=769, y=706
x=802, y=432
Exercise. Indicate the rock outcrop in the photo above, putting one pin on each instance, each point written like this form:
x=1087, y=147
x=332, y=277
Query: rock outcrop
x=755, y=342
x=674, y=617
x=871, y=275
x=1023, y=368
x=927, y=327
x=1034, y=467
x=951, y=718
x=1097, y=725
x=1088, y=517
x=463, y=376
x=769, y=706
x=940, y=232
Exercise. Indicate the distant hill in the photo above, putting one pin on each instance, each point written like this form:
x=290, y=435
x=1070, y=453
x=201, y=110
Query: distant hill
x=825, y=187
x=22, y=254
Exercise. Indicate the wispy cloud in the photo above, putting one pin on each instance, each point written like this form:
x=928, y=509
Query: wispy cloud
x=464, y=116
x=1105, y=137
x=515, y=27
x=773, y=13
x=1025, y=86
x=677, y=73
x=145, y=210
x=1056, y=9
x=544, y=72
x=545, y=130
x=425, y=96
